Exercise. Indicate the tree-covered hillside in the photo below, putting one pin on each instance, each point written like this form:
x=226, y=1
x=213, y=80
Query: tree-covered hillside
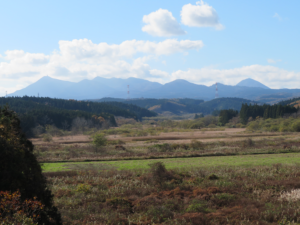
x=184, y=105
x=34, y=111
x=264, y=111
x=293, y=102
x=150, y=102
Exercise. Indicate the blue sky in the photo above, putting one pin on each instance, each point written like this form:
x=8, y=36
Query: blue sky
x=203, y=42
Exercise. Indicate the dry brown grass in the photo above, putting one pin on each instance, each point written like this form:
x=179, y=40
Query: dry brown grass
x=232, y=141
x=235, y=196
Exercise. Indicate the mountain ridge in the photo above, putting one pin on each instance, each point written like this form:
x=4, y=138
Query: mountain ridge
x=251, y=83
x=139, y=88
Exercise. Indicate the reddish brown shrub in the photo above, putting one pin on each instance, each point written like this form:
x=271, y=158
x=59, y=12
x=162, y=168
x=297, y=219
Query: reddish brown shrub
x=11, y=204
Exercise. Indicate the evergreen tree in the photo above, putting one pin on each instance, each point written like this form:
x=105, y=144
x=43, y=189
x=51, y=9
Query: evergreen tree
x=19, y=169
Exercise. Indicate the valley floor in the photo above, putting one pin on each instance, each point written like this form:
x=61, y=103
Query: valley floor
x=201, y=177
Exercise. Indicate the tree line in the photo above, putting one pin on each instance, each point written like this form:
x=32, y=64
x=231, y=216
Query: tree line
x=33, y=112
x=184, y=104
x=265, y=111
x=249, y=112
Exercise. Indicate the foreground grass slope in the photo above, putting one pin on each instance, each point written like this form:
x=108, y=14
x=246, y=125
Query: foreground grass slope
x=211, y=195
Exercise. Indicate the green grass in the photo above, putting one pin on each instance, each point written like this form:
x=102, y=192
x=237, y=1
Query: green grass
x=247, y=160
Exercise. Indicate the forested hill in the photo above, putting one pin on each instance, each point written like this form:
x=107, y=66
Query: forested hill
x=150, y=102
x=23, y=104
x=184, y=105
x=34, y=111
x=293, y=102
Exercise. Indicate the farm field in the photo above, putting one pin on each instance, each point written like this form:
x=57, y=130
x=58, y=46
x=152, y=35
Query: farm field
x=179, y=163
x=206, y=177
x=205, y=135
x=198, y=143
x=213, y=195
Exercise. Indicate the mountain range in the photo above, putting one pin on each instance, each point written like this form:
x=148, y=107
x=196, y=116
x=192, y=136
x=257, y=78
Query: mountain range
x=138, y=88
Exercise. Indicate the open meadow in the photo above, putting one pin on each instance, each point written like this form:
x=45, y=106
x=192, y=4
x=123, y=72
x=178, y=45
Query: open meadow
x=215, y=194
x=208, y=176
x=168, y=144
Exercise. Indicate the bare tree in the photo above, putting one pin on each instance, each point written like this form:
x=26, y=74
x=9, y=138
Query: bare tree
x=80, y=125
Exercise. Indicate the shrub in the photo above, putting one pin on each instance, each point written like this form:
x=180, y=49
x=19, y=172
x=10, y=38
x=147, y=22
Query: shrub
x=254, y=125
x=275, y=128
x=239, y=125
x=248, y=143
x=83, y=188
x=198, y=206
x=211, y=126
x=296, y=127
x=213, y=177
x=15, y=211
x=159, y=214
x=159, y=173
x=197, y=125
x=163, y=147
x=99, y=140
x=196, y=144
x=18, y=218
x=222, y=199
x=47, y=138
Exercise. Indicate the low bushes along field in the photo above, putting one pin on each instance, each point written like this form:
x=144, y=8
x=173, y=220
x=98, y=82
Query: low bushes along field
x=275, y=125
x=216, y=195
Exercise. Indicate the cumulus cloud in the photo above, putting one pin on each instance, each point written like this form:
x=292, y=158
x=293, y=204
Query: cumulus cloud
x=162, y=23
x=271, y=76
x=85, y=49
x=19, y=56
x=82, y=59
x=200, y=15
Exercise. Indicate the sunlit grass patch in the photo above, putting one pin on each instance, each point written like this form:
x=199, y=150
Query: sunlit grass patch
x=172, y=163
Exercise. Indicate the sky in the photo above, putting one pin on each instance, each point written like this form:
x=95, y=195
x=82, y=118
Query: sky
x=200, y=41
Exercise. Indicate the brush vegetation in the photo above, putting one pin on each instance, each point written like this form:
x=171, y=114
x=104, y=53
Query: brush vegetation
x=157, y=195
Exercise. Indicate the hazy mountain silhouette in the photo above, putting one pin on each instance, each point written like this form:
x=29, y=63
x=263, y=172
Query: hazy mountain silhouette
x=117, y=88
x=251, y=83
x=46, y=87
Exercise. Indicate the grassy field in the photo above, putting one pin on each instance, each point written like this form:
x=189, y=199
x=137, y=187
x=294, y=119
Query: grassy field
x=211, y=195
x=190, y=178
x=214, y=161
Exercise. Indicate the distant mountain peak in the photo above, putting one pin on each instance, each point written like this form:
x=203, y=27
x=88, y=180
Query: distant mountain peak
x=251, y=83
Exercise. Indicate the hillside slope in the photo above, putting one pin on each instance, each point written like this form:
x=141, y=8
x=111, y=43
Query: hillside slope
x=34, y=111
x=184, y=105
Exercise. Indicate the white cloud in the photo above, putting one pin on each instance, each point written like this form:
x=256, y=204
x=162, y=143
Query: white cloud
x=271, y=76
x=161, y=23
x=200, y=15
x=20, y=57
x=83, y=59
x=84, y=49
x=159, y=73
x=276, y=15
x=273, y=61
